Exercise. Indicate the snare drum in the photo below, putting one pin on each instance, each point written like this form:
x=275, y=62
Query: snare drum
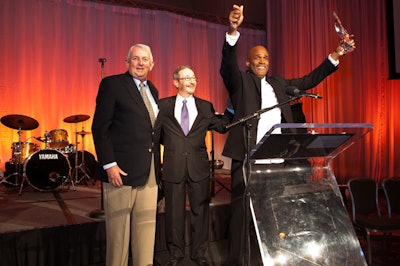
x=70, y=148
x=47, y=169
x=58, y=138
x=23, y=150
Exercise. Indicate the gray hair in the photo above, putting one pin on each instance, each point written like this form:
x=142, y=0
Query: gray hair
x=141, y=46
x=178, y=69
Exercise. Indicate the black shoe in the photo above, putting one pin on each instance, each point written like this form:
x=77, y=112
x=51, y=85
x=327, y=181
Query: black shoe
x=174, y=261
x=156, y=263
x=202, y=262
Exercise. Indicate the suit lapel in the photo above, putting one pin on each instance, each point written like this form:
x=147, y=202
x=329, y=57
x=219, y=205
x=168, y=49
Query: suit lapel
x=170, y=112
x=200, y=114
x=153, y=90
x=133, y=91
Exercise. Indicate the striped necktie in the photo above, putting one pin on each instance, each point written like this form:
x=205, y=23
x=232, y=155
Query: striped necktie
x=147, y=103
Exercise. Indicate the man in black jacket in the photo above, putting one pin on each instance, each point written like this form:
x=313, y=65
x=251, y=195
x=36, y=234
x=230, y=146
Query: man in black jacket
x=123, y=134
x=186, y=164
x=250, y=91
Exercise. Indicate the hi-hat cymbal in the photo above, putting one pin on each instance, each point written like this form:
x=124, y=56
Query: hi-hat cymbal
x=76, y=118
x=20, y=122
x=83, y=132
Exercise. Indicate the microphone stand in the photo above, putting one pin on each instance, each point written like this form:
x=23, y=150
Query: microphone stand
x=246, y=195
x=261, y=111
x=99, y=213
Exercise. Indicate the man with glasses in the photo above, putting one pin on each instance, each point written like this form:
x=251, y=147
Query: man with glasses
x=183, y=122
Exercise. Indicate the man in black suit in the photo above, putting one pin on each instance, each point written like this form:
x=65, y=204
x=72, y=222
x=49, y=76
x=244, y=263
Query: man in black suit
x=250, y=91
x=186, y=164
x=123, y=134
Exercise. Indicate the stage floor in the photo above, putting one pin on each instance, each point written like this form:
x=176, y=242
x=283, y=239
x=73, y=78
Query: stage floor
x=65, y=206
x=25, y=217
x=62, y=227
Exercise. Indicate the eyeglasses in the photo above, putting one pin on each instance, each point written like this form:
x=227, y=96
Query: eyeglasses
x=188, y=78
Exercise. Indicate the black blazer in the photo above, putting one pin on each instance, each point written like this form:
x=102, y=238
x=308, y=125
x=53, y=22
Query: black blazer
x=187, y=154
x=245, y=92
x=122, y=130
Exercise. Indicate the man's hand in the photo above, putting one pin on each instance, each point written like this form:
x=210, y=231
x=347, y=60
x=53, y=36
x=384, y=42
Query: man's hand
x=235, y=19
x=345, y=46
x=114, y=175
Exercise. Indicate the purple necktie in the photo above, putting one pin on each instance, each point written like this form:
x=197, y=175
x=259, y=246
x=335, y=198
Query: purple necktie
x=185, y=118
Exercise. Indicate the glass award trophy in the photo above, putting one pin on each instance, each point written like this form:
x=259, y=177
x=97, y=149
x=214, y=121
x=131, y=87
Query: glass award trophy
x=343, y=35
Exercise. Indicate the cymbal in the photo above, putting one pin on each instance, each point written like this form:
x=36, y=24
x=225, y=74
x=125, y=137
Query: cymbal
x=76, y=118
x=20, y=122
x=83, y=132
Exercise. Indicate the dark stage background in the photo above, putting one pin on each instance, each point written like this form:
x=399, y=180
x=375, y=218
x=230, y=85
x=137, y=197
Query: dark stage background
x=49, y=65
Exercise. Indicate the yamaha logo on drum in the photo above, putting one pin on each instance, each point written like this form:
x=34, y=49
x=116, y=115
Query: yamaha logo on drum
x=48, y=156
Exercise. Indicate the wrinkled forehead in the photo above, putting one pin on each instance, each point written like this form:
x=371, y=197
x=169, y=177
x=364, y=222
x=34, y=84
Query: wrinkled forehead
x=186, y=72
x=140, y=52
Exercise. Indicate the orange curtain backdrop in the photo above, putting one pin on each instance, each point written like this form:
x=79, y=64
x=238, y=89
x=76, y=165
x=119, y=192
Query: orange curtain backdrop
x=49, y=66
x=300, y=34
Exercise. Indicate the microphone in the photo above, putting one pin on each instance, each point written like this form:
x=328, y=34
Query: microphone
x=102, y=60
x=294, y=91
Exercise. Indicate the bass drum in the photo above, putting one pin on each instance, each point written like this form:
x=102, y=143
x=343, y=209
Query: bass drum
x=47, y=169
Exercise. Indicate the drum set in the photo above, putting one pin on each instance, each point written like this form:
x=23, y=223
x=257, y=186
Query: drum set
x=58, y=164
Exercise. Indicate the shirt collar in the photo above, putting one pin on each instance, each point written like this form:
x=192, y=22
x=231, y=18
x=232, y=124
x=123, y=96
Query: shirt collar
x=179, y=98
x=137, y=82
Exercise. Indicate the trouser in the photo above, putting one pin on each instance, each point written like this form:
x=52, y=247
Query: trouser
x=130, y=216
x=175, y=207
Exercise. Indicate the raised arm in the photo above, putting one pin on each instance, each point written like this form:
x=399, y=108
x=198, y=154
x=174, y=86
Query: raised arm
x=235, y=19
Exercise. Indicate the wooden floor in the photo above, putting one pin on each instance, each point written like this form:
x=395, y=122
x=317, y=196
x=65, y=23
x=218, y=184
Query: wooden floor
x=36, y=224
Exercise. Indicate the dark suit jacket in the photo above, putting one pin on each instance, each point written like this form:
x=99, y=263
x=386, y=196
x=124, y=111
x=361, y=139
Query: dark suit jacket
x=187, y=154
x=122, y=130
x=245, y=92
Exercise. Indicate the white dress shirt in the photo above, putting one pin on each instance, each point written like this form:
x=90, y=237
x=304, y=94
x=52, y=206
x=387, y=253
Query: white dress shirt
x=192, y=109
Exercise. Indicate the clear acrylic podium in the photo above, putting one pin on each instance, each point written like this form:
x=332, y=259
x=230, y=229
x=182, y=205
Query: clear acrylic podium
x=295, y=202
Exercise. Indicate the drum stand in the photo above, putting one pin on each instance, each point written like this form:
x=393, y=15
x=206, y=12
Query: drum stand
x=69, y=179
x=17, y=170
x=81, y=167
x=18, y=155
x=19, y=122
x=17, y=173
